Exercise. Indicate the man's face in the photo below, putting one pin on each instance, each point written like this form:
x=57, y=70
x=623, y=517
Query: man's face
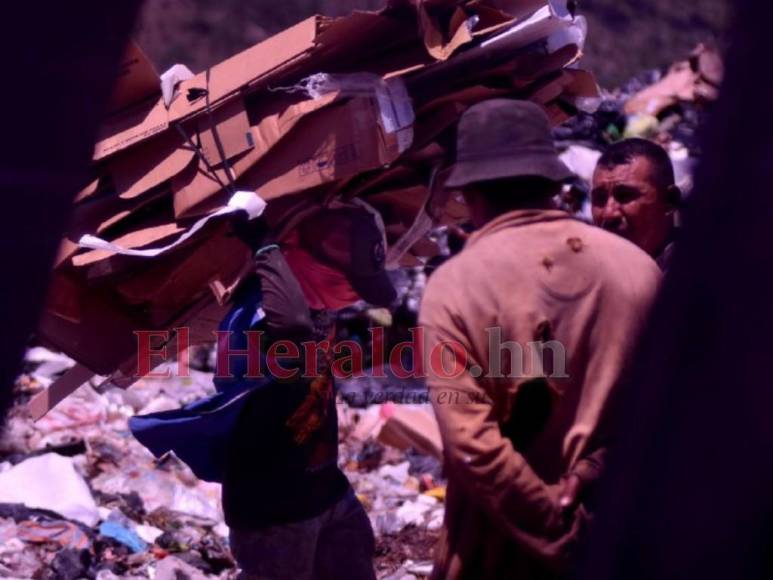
x=628, y=201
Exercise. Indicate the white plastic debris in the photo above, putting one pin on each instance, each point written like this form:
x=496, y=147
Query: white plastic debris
x=420, y=568
x=221, y=530
x=158, y=488
x=401, y=573
x=435, y=520
x=50, y=364
x=50, y=482
x=398, y=473
x=415, y=512
x=581, y=160
x=148, y=533
x=574, y=32
x=170, y=79
x=172, y=568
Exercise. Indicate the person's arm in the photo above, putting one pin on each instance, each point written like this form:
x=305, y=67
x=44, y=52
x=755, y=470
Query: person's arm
x=287, y=313
x=482, y=460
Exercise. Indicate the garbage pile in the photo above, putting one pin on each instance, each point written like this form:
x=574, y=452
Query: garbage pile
x=361, y=106
x=81, y=498
x=665, y=106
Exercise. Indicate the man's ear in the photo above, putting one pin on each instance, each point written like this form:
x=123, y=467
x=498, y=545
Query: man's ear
x=673, y=197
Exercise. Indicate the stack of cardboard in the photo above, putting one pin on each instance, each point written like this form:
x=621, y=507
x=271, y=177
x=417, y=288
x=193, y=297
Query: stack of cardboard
x=362, y=106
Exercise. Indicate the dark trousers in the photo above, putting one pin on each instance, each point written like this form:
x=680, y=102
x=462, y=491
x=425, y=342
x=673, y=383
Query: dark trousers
x=337, y=544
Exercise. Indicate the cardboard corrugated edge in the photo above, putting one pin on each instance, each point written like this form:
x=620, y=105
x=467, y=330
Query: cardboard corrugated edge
x=193, y=190
x=136, y=171
x=434, y=36
x=246, y=67
x=218, y=260
x=131, y=126
x=228, y=125
x=137, y=79
x=144, y=120
x=411, y=427
x=333, y=143
x=110, y=339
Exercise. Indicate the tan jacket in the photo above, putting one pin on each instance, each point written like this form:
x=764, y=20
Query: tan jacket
x=541, y=277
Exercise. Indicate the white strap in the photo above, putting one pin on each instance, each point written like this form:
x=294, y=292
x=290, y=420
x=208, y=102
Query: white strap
x=248, y=201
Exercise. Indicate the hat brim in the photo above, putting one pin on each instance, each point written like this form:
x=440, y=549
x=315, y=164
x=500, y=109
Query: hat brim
x=546, y=165
x=376, y=289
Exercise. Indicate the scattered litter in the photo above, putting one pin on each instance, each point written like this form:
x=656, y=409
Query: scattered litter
x=50, y=482
x=148, y=534
x=63, y=533
x=123, y=535
x=171, y=568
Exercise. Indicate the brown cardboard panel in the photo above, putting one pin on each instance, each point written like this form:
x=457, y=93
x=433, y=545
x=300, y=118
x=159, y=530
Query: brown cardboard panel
x=425, y=248
x=137, y=79
x=361, y=37
x=150, y=202
x=88, y=191
x=139, y=169
x=436, y=120
x=400, y=205
x=150, y=117
x=229, y=76
x=545, y=92
x=64, y=298
x=229, y=125
x=498, y=14
x=194, y=190
x=168, y=285
x=383, y=180
x=115, y=216
x=467, y=97
x=130, y=126
x=415, y=428
x=557, y=112
x=41, y=403
x=109, y=339
x=435, y=35
x=582, y=84
x=67, y=249
x=528, y=67
x=334, y=143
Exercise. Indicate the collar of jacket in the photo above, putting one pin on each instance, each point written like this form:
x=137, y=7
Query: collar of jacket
x=517, y=218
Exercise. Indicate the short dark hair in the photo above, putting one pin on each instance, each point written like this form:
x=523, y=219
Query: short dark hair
x=511, y=193
x=625, y=151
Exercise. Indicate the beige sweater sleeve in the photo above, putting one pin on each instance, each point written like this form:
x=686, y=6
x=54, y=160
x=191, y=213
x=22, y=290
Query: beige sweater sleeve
x=477, y=456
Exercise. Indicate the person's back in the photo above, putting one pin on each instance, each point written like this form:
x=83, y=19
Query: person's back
x=527, y=335
x=541, y=276
x=530, y=278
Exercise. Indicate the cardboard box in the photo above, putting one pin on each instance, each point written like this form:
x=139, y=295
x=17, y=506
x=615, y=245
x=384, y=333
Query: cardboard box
x=332, y=144
x=150, y=117
x=194, y=188
x=293, y=150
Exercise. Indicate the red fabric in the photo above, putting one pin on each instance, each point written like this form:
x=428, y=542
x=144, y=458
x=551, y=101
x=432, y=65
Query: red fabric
x=323, y=286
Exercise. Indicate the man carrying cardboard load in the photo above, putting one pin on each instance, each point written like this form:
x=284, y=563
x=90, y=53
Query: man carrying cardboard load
x=527, y=331
x=270, y=435
x=291, y=511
